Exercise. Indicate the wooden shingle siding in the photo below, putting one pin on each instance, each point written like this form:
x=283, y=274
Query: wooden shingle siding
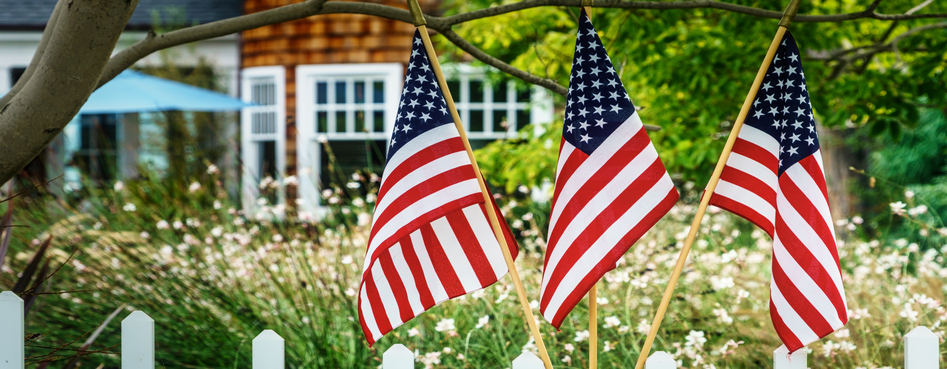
x=323, y=39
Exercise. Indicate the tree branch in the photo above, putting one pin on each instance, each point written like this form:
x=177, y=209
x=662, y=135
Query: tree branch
x=37, y=55
x=79, y=45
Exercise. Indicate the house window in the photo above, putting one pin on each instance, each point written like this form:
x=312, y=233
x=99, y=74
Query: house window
x=345, y=113
x=491, y=109
x=263, y=133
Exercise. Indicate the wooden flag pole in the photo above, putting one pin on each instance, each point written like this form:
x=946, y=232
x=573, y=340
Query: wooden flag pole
x=418, y=18
x=784, y=23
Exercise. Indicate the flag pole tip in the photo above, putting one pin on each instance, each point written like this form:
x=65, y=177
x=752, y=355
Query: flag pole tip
x=789, y=13
x=416, y=15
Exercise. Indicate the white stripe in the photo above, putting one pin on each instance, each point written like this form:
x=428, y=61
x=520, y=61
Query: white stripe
x=407, y=278
x=388, y=301
x=487, y=239
x=599, y=157
x=818, y=158
x=417, y=177
x=411, y=212
x=598, y=203
x=605, y=243
x=804, y=283
x=807, y=236
x=438, y=293
x=759, y=138
x=564, y=154
x=754, y=168
x=746, y=197
x=790, y=318
x=455, y=254
x=798, y=175
x=426, y=139
x=368, y=315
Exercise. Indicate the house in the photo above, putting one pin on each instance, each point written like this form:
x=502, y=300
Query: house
x=327, y=91
x=108, y=147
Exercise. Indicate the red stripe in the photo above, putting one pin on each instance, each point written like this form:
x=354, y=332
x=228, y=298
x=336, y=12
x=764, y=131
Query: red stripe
x=812, y=167
x=420, y=191
x=799, y=301
x=618, y=161
x=378, y=309
x=603, y=220
x=785, y=334
x=419, y=159
x=424, y=219
x=811, y=214
x=420, y=280
x=608, y=261
x=804, y=258
x=473, y=250
x=750, y=183
x=572, y=164
x=442, y=265
x=756, y=152
x=397, y=287
x=361, y=320
x=507, y=233
x=744, y=211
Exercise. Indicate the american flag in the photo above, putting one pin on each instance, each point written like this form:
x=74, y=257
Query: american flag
x=774, y=178
x=611, y=187
x=430, y=239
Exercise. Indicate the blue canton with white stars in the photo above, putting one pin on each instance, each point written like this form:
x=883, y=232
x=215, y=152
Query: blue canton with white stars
x=782, y=107
x=596, y=103
x=422, y=103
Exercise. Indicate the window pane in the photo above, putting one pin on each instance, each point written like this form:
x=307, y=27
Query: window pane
x=360, y=92
x=340, y=92
x=267, y=159
x=340, y=122
x=454, y=87
x=379, y=92
x=499, y=121
x=522, y=94
x=522, y=119
x=476, y=121
x=499, y=92
x=322, y=122
x=379, y=121
x=360, y=121
x=476, y=91
x=322, y=92
x=351, y=157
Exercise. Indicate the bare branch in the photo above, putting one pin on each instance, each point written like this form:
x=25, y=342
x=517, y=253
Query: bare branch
x=501, y=65
x=666, y=5
x=63, y=79
x=37, y=55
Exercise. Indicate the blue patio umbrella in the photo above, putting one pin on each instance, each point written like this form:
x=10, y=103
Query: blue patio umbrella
x=132, y=92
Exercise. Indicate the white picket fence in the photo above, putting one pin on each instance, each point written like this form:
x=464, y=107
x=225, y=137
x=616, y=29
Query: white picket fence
x=921, y=347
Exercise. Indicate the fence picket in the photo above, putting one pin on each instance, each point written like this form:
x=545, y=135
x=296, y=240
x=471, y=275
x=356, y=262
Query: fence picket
x=11, y=331
x=782, y=359
x=528, y=360
x=660, y=360
x=397, y=357
x=921, y=349
x=138, y=341
x=269, y=351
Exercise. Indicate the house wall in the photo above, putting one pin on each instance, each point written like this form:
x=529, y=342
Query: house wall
x=326, y=39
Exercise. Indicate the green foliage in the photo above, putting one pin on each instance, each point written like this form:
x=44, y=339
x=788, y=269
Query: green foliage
x=689, y=70
x=529, y=160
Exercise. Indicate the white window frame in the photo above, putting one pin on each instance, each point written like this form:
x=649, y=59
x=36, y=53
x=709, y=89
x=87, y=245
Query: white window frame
x=248, y=141
x=308, y=141
x=540, y=102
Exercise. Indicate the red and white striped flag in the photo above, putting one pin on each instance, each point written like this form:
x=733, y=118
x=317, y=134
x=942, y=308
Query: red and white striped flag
x=774, y=178
x=611, y=187
x=430, y=239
